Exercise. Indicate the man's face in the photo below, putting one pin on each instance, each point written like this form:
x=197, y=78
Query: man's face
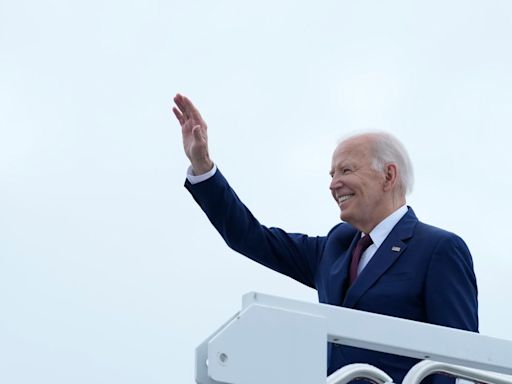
x=357, y=188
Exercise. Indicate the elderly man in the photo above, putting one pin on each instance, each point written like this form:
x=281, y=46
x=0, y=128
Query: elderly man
x=380, y=259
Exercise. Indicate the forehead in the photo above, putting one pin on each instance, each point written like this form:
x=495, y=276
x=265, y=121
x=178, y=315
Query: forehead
x=353, y=150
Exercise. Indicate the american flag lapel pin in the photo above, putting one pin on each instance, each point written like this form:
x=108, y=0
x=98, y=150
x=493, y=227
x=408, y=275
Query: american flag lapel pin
x=395, y=249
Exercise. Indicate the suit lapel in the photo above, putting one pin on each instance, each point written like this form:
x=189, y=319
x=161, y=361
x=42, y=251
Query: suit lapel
x=388, y=252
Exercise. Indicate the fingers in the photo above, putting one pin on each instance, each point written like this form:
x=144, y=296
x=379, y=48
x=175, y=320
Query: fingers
x=186, y=107
x=178, y=99
x=178, y=115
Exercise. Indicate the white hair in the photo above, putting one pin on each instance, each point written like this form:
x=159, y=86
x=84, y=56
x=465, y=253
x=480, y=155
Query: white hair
x=387, y=149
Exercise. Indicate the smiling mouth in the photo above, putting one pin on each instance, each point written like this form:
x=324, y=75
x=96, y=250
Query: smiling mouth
x=343, y=198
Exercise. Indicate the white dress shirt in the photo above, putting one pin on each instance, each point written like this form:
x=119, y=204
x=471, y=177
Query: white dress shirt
x=194, y=179
x=379, y=234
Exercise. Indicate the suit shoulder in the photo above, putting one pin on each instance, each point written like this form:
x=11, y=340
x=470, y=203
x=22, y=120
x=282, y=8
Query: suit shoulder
x=438, y=235
x=434, y=231
x=342, y=229
x=341, y=235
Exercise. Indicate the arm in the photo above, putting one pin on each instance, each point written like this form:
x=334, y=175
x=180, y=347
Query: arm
x=295, y=255
x=292, y=254
x=451, y=289
x=451, y=292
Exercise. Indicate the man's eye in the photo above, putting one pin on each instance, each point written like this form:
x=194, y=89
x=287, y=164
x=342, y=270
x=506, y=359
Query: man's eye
x=346, y=170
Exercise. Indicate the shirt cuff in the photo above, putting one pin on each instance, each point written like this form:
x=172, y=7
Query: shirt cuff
x=194, y=179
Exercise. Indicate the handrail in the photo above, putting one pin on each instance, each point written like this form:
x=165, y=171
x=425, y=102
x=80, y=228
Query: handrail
x=428, y=367
x=276, y=340
x=359, y=371
x=365, y=330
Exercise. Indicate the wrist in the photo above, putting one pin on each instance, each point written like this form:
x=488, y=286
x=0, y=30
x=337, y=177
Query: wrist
x=202, y=167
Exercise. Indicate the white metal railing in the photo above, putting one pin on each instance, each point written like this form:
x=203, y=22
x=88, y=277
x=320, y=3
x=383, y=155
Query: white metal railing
x=428, y=367
x=359, y=371
x=416, y=374
x=273, y=340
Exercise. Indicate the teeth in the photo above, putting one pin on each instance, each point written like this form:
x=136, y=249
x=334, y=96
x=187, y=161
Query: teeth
x=343, y=198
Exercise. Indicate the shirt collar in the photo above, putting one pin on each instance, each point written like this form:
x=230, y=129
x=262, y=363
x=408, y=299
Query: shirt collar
x=382, y=230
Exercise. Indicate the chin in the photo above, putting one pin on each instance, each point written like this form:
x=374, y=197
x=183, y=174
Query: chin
x=346, y=217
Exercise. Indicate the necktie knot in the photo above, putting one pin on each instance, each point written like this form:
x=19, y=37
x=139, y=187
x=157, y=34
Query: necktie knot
x=365, y=242
x=361, y=246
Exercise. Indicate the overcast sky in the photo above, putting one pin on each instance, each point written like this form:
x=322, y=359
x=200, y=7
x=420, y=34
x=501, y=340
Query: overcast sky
x=110, y=273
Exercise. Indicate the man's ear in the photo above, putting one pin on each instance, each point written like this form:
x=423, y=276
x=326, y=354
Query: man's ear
x=390, y=176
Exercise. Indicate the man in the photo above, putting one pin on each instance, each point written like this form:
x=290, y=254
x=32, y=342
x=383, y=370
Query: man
x=380, y=259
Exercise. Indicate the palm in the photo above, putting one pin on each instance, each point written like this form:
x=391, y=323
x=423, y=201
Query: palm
x=190, y=144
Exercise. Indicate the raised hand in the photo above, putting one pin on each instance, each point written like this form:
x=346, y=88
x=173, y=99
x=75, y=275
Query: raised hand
x=194, y=132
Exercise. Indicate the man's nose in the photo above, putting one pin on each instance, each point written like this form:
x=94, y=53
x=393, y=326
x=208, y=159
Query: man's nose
x=335, y=183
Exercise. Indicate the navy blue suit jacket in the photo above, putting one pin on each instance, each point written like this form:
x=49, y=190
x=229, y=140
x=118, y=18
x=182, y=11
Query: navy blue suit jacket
x=430, y=278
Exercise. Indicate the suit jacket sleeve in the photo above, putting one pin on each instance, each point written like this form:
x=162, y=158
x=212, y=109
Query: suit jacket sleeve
x=295, y=255
x=451, y=290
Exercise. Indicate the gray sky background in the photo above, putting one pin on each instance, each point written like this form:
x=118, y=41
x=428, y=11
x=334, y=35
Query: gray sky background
x=110, y=273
